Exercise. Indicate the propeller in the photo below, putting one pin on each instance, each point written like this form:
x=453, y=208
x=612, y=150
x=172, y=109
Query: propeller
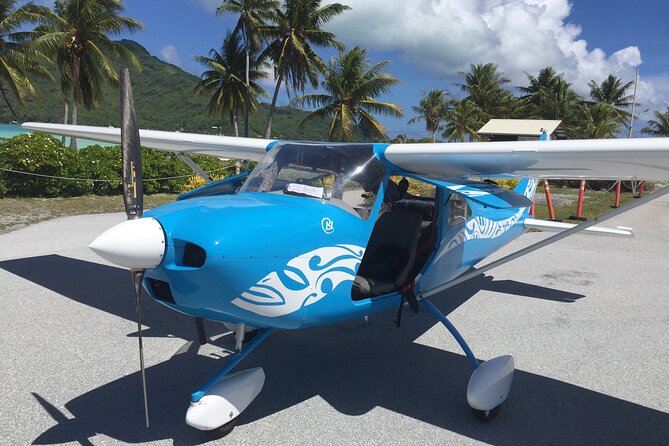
x=133, y=198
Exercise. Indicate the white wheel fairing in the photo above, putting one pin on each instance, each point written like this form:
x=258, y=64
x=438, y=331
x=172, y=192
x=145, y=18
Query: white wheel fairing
x=490, y=383
x=226, y=400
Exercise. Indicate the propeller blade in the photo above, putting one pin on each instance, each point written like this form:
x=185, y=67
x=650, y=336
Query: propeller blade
x=137, y=277
x=133, y=195
x=133, y=198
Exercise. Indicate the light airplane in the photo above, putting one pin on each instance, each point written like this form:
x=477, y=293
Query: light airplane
x=320, y=233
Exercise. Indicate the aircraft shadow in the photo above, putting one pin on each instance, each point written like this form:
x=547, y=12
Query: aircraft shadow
x=106, y=288
x=354, y=366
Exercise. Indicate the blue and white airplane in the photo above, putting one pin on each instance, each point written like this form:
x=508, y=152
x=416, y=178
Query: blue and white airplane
x=320, y=233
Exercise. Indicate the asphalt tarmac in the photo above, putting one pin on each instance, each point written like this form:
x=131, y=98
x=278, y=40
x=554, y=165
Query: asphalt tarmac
x=587, y=320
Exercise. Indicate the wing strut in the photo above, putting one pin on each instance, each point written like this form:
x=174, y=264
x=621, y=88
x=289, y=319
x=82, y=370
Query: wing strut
x=557, y=237
x=193, y=165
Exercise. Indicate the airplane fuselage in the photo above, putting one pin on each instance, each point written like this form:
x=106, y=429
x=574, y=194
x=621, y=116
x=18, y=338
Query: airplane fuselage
x=274, y=260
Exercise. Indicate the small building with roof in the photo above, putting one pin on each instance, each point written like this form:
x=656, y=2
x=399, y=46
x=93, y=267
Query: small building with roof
x=521, y=129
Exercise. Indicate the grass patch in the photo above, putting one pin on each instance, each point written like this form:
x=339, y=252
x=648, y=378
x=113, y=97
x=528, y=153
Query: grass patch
x=595, y=203
x=17, y=213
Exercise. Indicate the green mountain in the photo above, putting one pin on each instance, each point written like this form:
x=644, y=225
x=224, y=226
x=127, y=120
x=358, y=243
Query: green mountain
x=164, y=100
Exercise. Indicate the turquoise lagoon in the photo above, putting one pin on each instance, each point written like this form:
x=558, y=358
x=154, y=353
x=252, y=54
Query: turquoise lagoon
x=9, y=130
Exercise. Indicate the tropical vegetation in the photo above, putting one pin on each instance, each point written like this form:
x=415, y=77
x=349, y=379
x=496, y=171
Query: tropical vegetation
x=432, y=109
x=296, y=28
x=77, y=35
x=224, y=80
x=73, y=43
x=351, y=86
x=252, y=16
x=658, y=126
x=18, y=59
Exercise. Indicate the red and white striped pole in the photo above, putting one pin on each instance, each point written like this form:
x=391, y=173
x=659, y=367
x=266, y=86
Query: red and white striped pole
x=532, y=209
x=617, y=203
x=579, y=207
x=641, y=188
x=549, y=201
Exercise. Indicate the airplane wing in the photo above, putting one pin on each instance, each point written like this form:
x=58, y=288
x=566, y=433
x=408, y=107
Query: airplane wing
x=223, y=146
x=643, y=158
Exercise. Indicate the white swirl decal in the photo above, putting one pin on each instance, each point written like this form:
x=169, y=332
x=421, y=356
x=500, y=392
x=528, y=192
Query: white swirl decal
x=304, y=281
x=485, y=228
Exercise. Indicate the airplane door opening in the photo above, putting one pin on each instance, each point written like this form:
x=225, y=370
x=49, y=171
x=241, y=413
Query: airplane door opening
x=402, y=240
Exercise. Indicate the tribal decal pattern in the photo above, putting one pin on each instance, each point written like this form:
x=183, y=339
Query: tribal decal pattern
x=304, y=280
x=485, y=228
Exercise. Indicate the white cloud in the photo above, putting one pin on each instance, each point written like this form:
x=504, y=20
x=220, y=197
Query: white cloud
x=169, y=54
x=445, y=36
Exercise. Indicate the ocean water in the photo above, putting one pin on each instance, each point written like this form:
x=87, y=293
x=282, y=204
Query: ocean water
x=9, y=130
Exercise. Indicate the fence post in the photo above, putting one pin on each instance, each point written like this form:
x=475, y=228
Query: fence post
x=549, y=201
x=579, y=207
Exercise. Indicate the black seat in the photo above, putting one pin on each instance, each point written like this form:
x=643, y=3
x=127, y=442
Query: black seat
x=390, y=254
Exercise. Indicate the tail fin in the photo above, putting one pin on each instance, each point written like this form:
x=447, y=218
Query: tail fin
x=527, y=187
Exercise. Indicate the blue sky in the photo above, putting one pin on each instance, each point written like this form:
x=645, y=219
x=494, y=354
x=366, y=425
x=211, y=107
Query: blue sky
x=429, y=41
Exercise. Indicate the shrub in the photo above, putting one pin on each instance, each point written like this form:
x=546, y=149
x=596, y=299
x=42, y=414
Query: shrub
x=195, y=181
x=45, y=155
x=159, y=165
x=103, y=163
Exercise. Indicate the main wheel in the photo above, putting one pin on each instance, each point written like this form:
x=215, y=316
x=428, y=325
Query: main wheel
x=224, y=430
x=486, y=415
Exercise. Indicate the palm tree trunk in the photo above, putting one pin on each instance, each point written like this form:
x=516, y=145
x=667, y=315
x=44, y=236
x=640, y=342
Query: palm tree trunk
x=73, y=140
x=76, y=86
x=4, y=96
x=65, y=108
x=434, y=136
x=268, y=129
x=233, y=121
x=247, y=99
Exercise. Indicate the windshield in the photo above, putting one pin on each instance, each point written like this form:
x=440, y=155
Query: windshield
x=347, y=176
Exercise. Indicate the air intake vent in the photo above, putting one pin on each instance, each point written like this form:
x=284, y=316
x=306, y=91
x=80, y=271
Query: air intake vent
x=161, y=290
x=194, y=256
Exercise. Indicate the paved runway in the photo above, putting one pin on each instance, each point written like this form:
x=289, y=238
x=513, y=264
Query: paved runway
x=587, y=320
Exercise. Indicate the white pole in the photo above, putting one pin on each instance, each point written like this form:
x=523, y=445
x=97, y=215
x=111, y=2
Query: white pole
x=636, y=81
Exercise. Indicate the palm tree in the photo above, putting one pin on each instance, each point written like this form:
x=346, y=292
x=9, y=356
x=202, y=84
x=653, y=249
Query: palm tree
x=18, y=60
x=463, y=119
x=596, y=121
x=225, y=78
x=658, y=126
x=431, y=109
x=78, y=35
x=612, y=91
x=352, y=83
x=296, y=27
x=550, y=96
x=252, y=15
x=483, y=84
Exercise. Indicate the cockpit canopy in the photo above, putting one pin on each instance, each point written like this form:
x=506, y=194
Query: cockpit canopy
x=347, y=176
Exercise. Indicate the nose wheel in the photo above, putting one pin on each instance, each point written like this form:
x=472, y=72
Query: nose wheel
x=222, y=431
x=490, y=382
x=486, y=415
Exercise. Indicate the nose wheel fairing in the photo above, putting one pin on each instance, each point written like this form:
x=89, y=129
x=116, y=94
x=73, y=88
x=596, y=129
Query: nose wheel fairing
x=490, y=383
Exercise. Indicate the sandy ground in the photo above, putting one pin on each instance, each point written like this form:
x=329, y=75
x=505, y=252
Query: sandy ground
x=587, y=320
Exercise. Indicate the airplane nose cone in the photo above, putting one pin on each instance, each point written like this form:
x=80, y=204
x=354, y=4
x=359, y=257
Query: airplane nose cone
x=133, y=244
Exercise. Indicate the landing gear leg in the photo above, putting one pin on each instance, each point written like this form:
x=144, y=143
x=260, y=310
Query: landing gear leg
x=216, y=405
x=201, y=334
x=490, y=382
